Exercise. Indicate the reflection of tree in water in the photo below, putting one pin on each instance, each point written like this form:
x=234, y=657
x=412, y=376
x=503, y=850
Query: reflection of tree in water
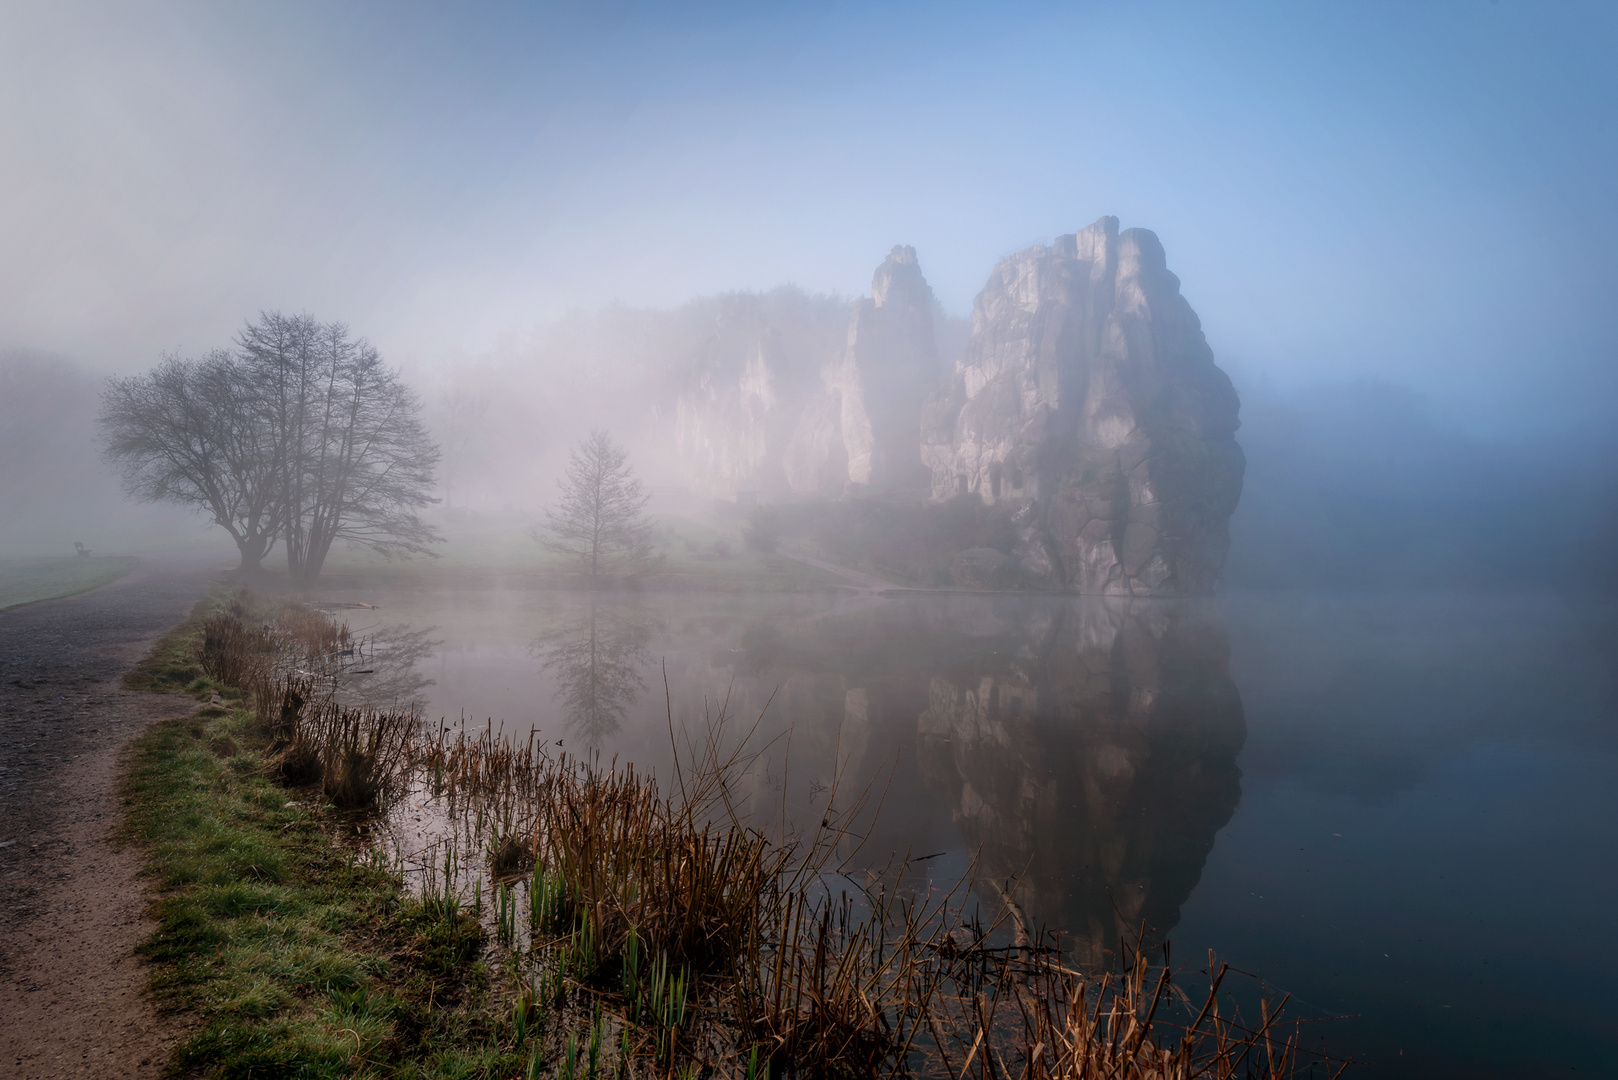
x=596, y=660
x=382, y=671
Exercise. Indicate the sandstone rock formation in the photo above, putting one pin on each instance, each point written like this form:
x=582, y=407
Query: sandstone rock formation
x=744, y=382
x=862, y=431
x=1088, y=403
x=797, y=413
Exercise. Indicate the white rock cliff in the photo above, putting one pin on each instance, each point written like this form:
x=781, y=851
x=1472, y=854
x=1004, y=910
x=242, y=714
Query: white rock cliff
x=1088, y=403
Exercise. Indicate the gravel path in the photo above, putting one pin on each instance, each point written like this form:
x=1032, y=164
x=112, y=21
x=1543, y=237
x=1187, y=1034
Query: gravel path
x=71, y=907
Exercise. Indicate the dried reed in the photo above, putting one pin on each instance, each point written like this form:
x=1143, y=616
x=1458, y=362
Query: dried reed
x=681, y=931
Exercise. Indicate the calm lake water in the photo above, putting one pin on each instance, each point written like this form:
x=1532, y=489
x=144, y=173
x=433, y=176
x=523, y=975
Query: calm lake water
x=1403, y=810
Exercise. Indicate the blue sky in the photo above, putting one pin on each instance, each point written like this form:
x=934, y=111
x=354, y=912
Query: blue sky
x=1423, y=193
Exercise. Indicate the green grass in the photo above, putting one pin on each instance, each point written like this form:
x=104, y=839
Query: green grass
x=27, y=581
x=171, y=665
x=295, y=959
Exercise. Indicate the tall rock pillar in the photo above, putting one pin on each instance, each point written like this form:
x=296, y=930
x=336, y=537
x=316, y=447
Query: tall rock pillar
x=1089, y=403
x=861, y=432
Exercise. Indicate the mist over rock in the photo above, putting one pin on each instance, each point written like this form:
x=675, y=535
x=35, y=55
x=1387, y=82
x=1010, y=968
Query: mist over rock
x=795, y=416
x=744, y=381
x=1085, y=411
x=862, y=430
x=1089, y=405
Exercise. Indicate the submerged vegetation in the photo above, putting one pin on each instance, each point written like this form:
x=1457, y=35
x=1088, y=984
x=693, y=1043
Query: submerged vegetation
x=575, y=919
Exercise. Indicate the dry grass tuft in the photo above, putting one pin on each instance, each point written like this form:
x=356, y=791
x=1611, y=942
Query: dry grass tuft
x=510, y=859
x=290, y=659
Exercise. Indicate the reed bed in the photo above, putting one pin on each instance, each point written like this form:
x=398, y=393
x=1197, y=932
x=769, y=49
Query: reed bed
x=663, y=931
x=290, y=659
x=712, y=938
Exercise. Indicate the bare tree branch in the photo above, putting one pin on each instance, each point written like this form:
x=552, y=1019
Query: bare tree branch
x=303, y=435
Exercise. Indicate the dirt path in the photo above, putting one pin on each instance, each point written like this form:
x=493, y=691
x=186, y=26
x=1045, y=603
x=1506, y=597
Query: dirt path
x=71, y=907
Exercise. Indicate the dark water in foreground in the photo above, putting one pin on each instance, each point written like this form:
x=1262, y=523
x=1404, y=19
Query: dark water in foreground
x=1402, y=810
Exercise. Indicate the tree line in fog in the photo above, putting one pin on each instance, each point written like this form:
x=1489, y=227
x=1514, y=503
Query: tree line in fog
x=299, y=435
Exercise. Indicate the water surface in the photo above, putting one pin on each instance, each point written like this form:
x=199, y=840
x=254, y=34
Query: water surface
x=1401, y=809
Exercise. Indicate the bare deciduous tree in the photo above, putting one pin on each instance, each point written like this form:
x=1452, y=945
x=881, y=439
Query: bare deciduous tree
x=357, y=460
x=187, y=432
x=303, y=435
x=599, y=524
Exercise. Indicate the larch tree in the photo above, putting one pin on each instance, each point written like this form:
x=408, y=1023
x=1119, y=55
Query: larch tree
x=599, y=524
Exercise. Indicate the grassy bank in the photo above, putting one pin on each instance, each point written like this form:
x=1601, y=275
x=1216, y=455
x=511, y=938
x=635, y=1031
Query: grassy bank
x=296, y=958
x=27, y=581
x=572, y=920
x=493, y=553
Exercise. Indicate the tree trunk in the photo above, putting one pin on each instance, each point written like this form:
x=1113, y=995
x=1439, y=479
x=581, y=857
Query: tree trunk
x=253, y=549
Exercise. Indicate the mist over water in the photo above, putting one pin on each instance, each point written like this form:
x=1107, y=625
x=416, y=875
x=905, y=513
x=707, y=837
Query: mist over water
x=1367, y=799
x=1376, y=765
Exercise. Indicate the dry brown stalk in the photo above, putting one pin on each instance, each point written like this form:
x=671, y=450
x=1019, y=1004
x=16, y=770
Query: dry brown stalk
x=701, y=935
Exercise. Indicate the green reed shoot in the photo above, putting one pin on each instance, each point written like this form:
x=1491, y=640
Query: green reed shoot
x=631, y=966
x=598, y=1031
x=571, y=1060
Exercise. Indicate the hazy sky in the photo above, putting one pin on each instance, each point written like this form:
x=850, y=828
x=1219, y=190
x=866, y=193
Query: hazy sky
x=1425, y=192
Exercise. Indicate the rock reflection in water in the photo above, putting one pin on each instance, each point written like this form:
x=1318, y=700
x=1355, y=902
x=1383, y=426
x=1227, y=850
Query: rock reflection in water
x=596, y=660
x=1094, y=758
x=1087, y=746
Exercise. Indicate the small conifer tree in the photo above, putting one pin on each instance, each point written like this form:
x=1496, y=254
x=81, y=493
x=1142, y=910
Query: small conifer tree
x=599, y=525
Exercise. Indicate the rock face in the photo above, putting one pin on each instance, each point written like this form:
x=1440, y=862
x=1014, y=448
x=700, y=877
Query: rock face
x=744, y=381
x=798, y=415
x=1088, y=403
x=862, y=431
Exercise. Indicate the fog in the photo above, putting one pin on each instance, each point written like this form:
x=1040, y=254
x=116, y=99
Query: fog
x=1395, y=226
x=915, y=321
